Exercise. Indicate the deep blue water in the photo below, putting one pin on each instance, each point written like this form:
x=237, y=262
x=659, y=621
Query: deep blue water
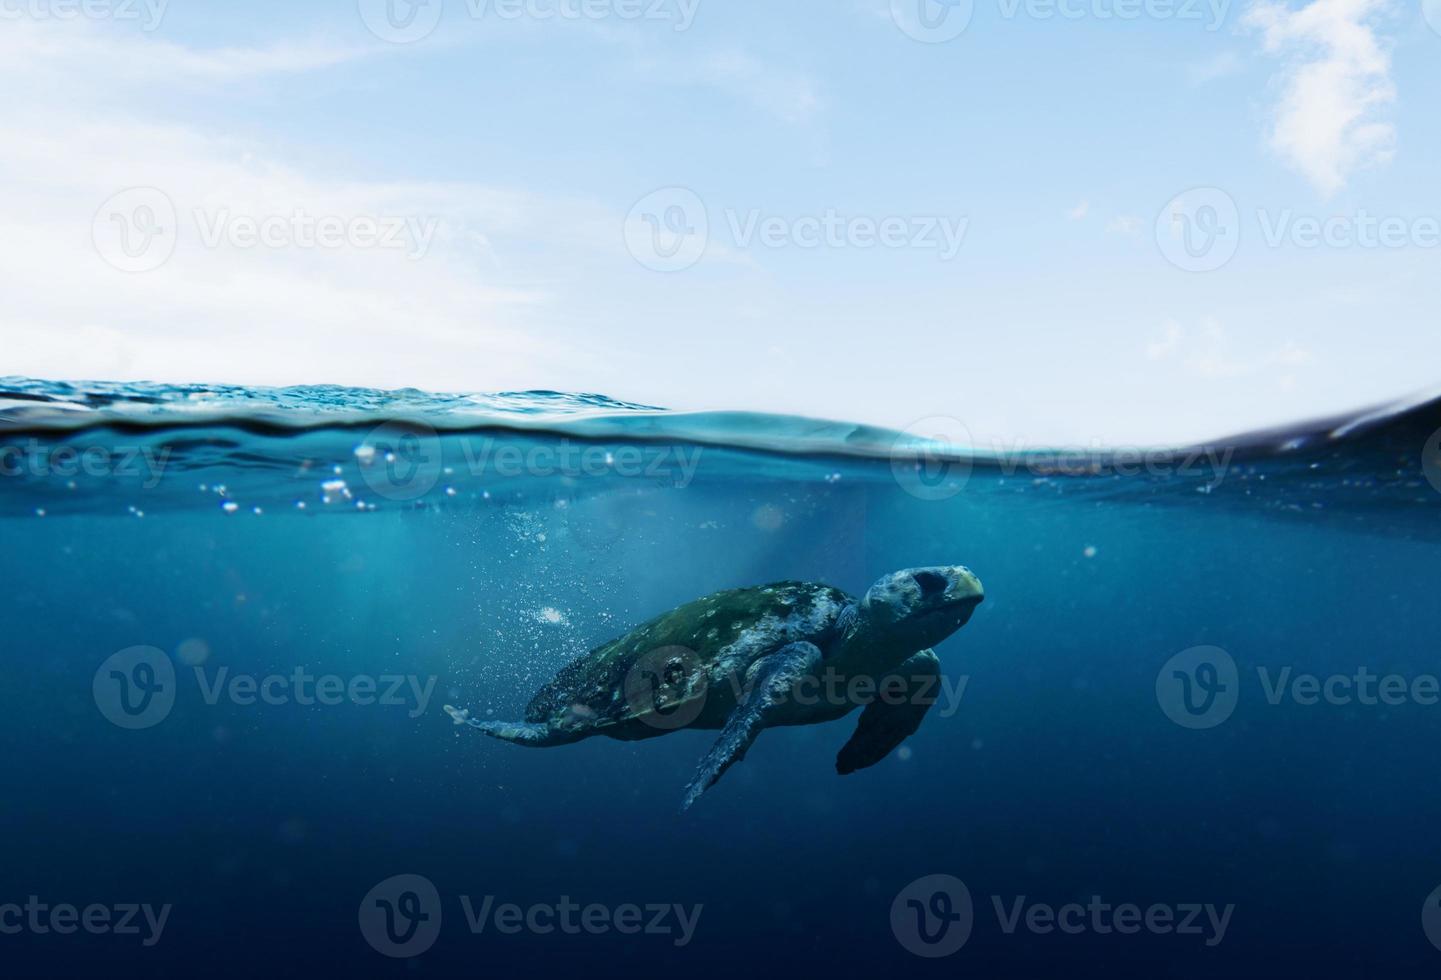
x=1056, y=777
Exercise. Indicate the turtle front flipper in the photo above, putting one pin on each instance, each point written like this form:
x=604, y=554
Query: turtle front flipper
x=894, y=715
x=769, y=696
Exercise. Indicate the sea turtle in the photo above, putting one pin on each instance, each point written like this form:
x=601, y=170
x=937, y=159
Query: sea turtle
x=791, y=653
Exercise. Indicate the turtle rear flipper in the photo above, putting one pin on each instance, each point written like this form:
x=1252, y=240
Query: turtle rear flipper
x=894, y=715
x=776, y=676
x=517, y=732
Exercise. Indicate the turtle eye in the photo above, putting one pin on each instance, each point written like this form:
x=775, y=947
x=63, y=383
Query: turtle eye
x=931, y=583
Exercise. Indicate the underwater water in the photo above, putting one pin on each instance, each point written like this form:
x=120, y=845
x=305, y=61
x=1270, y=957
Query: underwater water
x=1190, y=733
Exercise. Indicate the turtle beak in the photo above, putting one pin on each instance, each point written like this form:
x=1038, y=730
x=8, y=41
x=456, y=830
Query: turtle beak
x=949, y=586
x=963, y=596
x=949, y=594
x=965, y=587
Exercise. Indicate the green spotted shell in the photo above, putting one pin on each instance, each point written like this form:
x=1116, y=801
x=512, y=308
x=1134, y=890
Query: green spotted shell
x=691, y=648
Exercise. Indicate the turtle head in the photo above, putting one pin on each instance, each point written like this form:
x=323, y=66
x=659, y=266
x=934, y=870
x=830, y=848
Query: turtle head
x=916, y=608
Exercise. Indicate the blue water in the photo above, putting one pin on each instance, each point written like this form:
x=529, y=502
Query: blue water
x=474, y=545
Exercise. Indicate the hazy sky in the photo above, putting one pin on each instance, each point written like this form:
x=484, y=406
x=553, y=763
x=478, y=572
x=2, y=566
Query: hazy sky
x=1068, y=221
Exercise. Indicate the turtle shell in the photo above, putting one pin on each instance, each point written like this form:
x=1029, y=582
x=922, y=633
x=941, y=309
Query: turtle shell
x=684, y=667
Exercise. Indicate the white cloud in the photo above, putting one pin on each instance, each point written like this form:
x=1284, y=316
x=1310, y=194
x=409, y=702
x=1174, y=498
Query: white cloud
x=1334, y=89
x=1124, y=224
x=1079, y=211
x=1161, y=349
x=522, y=290
x=462, y=316
x=1223, y=65
x=28, y=47
x=1209, y=353
x=789, y=95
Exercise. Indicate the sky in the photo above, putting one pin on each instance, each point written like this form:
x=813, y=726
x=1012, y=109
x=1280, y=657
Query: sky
x=1080, y=222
